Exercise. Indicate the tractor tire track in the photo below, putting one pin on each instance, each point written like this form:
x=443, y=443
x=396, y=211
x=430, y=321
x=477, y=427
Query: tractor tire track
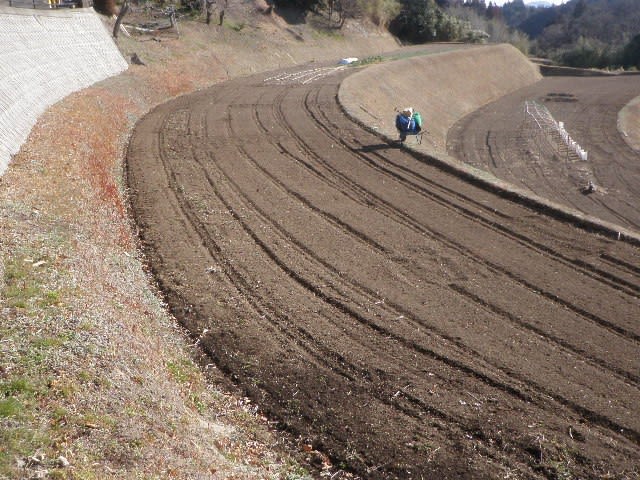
x=626, y=375
x=354, y=319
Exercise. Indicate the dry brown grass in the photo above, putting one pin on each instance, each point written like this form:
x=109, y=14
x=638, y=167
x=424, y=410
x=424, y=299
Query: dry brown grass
x=92, y=366
x=453, y=82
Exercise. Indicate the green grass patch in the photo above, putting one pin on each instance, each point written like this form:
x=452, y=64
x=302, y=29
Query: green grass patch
x=332, y=33
x=24, y=286
x=18, y=296
x=18, y=397
x=50, y=298
x=197, y=402
x=10, y=407
x=18, y=442
x=39, y=349
x=183, y=371
x=236, y=27
x=368, y=60
x=16, y=386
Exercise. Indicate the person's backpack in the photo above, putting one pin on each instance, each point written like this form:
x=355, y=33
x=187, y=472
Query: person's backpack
x=417, y=118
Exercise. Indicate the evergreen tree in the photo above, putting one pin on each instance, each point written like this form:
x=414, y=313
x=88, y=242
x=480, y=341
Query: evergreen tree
x=423, y=21
x=631, y=53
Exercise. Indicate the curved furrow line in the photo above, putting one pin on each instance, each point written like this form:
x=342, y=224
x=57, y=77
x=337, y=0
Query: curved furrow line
x=565, y=191
x=592, y=118
x=622, y=374
x=237, y=280
x=370, y=295
x=356, y=289
x=319, y=353
x=620, y=171
x=462, y=249
x=342, y=305
x=526, y=241
x=613, y=174
x=315, y=302
x=364, y=197
x=425, y=407
x=398, y=309
x=577, y=310
x=581, y=311
x=633, y=269
x=302, y=249
x=616, y=282
x=321, y=119
x=322, y=354
x=329, y=217
x=313, y=170
x=614, y=211
x=563, y=401
x=593, y=416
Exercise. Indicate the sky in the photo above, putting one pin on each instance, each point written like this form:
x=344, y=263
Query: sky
x=501, y=2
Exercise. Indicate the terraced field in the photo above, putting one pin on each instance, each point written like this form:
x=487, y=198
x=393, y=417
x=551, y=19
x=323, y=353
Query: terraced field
x=503, y=139
x=400, y=321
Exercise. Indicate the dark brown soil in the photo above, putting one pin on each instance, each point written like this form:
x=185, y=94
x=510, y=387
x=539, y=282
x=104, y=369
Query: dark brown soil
x=402, y=321
x=502, y=139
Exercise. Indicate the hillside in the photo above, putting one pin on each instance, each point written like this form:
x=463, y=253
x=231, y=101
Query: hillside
x=603, y=25
x=97, y=379
x=363, y=296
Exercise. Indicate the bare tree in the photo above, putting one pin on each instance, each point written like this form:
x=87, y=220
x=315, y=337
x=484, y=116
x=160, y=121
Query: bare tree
x=123, y=12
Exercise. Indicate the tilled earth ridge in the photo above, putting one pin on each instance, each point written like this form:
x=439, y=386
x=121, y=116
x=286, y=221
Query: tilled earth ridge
x=400, y=320
x=503, y=139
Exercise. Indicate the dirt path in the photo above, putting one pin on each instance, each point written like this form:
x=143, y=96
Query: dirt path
x=500, y=138
x=402, y=321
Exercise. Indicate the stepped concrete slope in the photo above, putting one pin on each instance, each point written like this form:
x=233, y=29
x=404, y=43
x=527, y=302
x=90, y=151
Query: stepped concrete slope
x=45, y=56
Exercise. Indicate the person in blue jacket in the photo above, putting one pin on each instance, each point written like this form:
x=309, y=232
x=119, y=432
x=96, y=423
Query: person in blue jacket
x=406, y=123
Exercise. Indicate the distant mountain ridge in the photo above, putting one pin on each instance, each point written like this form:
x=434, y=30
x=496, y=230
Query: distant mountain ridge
x=608, y=22
x=540, y=4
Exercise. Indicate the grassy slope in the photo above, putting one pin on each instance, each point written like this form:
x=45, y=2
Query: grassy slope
x=629, y=123
x=451, y=85
x=92, y=367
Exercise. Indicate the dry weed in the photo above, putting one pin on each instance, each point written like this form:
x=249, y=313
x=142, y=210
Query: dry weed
x=96, y=378
x=92, y=368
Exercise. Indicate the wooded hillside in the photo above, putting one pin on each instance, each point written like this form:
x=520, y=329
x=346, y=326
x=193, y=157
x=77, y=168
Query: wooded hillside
x=579, y=32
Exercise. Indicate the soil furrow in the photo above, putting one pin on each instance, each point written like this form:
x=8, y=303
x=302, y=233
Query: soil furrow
x=565, y=401
x=395, y=317
x=631, y=288
x=527, y=242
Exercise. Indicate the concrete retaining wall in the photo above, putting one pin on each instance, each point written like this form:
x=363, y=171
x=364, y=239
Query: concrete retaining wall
x=45, y=56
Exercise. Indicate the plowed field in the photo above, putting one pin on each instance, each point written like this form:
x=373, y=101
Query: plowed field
x=399, y=320
x=503, y=139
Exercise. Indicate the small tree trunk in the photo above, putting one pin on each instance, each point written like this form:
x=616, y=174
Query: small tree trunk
x=208, y=9
x=123, y=12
